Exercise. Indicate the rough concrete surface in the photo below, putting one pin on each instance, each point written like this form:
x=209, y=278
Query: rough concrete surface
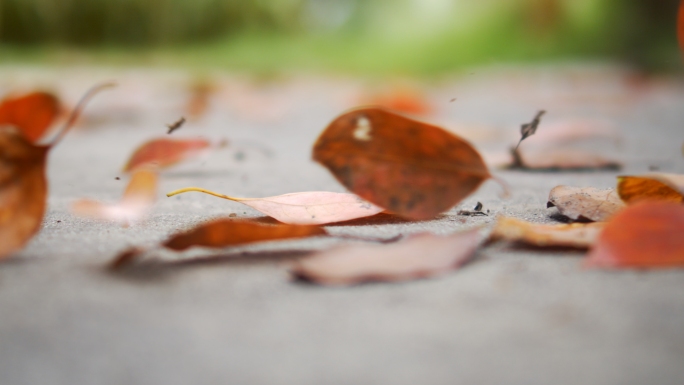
x=233, y=316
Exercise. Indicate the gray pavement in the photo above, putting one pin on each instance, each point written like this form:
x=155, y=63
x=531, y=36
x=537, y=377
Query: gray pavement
x=233, y=316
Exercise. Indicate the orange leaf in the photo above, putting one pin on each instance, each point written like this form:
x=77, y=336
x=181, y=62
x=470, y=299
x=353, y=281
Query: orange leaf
x=578, y=235
x=414, y=169
x=655, y=186
x=229, y=232
x=23, y=190
x=138, y=198
x=164, y=152
x=402, y=100
x=304, y=208
x=420, y=256
x=646, y=235
x=32, y=114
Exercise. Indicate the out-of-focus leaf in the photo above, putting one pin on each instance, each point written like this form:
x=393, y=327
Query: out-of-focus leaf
x=163, y=152
x=655, y=186
x=23, y=190
x=304, y=208
x=577, y=235
x=646, y=235
x=229, y=232
x=31, y=114
x=139, y=196
x=585, y=203
x=419, y=256
x=413, y=169
x=404, y=100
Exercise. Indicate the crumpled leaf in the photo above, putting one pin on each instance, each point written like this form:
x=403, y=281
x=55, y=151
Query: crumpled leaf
x=655, y=186
x=646, y=235
x=139, y=196
x=232, y=232
x=419, y=256
x=163, y=152
x=569, y=145
x=31, y=114
x=585, y=203
x=304, y=208
x=413, y=169
x=23, y=190
x=577, y=235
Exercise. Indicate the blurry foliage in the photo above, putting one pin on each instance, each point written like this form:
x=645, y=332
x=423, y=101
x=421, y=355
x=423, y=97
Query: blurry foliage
x=424, y=36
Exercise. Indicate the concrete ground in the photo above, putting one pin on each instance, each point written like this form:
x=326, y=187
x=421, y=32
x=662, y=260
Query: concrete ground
x=233, y=316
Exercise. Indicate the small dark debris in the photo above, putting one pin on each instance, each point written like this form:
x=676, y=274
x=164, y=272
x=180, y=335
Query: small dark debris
x=528, y=129
x=452, y=100
x=232, y=215
x=476, y=212
x=117, y=178
x=176, y=125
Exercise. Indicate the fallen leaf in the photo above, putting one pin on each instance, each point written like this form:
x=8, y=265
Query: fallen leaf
x=23, y=185
x=528, y=129
x=654, y=186
x=138, y=198
x=304, y=208
x=646, y=235
x=577, y=235
x=23, y=190
x=419, y=256
x=414, y=169
x=162, y=152
x=585, y=203
x=31, y=114
x=232, y=232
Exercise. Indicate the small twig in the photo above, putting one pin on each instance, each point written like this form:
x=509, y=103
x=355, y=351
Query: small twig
x=176, y=125
x=528, y=129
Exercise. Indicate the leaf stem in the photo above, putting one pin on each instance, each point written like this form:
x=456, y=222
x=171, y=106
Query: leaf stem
x=77, y=111
x=198, y=189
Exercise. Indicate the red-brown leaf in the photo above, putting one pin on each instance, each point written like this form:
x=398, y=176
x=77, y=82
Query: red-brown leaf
x=23, y=190
x=413, y=169
x=163, y=152
x=646, y=235
x=229, y=232
x=32, y=114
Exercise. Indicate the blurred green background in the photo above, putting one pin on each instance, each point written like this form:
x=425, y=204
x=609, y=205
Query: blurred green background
x=359, y=36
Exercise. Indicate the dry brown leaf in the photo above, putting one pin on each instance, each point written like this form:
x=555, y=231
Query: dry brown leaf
x=139, y=196
x=304, y=208
x=23, y=190
x=31, y=114
x=577, y=235
x=419, y=256
x=646, y=235
x=654, y=186
x=413, y=169
x=163, y=152
x=585, y=203
x=232, y=232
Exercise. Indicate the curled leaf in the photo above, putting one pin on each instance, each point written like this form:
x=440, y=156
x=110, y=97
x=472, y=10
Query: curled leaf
x=163, y=152
x=31, y=114
x=528, y=129
x=577, y=235
x=23, y=190
x=419, y=256
x=585, y=203
x=654, y=186
x=413, y=169
x=304, y=208
x=230, y=232
x=138, y=198
x=646, y=235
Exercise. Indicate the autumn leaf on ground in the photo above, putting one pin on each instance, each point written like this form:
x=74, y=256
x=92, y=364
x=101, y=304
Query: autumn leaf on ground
x=222, y=233
x=585, y=203
x=654, y=186
x=577, y=235
x=163, y=152
x=138, y=198
x=304, y=208
x=568, y=145
x=31, y=114
x=419, y=256
x=646, y=235
x=413, y=169
x=23, y=185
